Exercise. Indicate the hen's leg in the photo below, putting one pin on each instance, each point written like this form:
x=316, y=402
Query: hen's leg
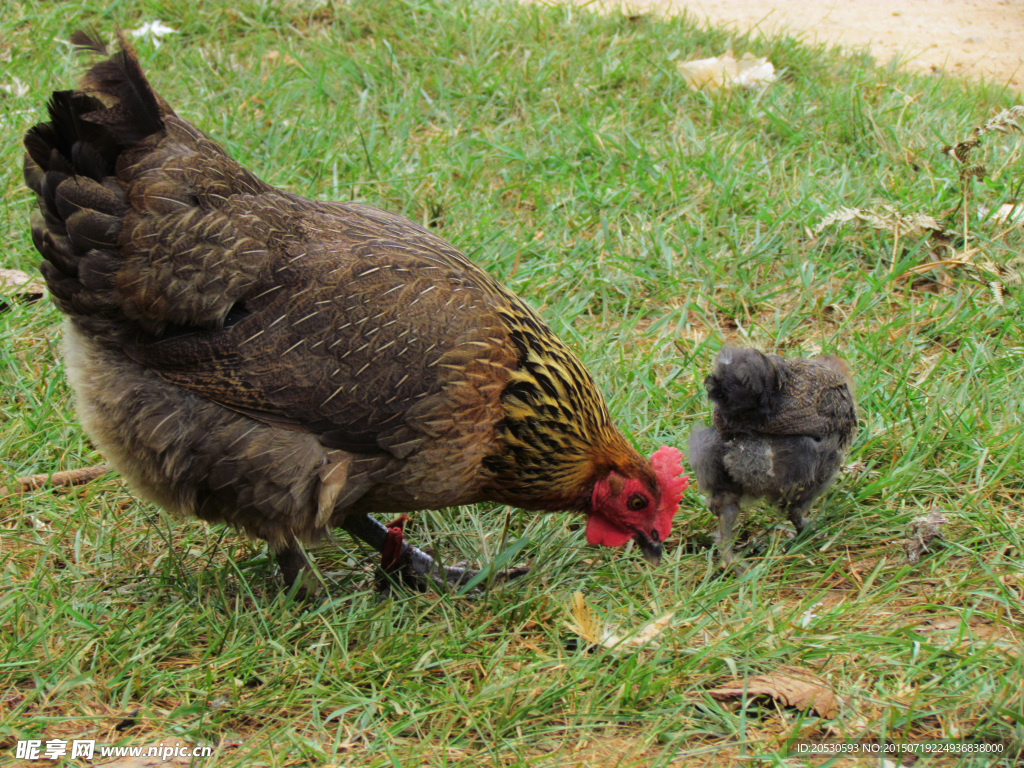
x=414, y=567
x=292, y=562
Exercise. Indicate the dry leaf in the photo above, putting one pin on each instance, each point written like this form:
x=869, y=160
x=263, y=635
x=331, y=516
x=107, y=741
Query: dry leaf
x=274, y=57
x=1006, y=121
x=884, y=217
x=996, y=276
x=790, y=686
x=20, y=285
x=1007, y=213
x=585, y=623
x=726, y=71
x=16, y=88
x=583, y=620
x=922, y=534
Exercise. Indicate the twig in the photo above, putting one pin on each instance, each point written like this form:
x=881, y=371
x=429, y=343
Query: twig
x=66, y=478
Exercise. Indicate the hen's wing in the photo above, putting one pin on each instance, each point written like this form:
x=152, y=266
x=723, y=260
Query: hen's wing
x=368, y=336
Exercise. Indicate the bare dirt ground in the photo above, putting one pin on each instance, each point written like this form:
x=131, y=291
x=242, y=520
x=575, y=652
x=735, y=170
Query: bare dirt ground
x=967, y=38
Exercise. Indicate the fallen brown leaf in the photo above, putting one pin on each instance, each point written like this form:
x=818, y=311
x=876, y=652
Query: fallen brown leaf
x=585, y=623
x=790, y=686
x=21, y=286
x=273, y=57
x=924, y=534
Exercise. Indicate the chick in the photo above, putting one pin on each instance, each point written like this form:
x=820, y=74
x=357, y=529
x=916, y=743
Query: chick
x=780, y=430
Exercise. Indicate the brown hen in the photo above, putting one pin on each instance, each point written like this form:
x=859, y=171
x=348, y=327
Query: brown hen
x=286, y=365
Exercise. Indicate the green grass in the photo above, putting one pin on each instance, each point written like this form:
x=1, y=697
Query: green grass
x=649, y=224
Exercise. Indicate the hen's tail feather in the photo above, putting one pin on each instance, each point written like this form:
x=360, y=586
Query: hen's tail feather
x=88, y=130
x=135, y=111
x=89, y=40
x=131, y=203
x=70, y=164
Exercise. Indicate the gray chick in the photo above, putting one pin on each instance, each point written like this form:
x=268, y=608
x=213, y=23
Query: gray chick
x=780, y=430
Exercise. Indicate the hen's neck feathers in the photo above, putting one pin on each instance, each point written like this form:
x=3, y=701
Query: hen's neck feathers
x=553, y=408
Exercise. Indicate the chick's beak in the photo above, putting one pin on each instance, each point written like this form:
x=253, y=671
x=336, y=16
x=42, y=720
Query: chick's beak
x=650, y=547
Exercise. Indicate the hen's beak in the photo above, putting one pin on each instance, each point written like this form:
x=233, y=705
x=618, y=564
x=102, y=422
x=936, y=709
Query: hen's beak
x=650, y=547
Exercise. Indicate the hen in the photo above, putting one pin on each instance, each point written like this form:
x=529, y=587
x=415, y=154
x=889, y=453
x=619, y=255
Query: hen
x=780, y=431
x=288, y=366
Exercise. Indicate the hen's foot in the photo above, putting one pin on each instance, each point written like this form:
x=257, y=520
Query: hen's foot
x=413, y=567
x=417, y=570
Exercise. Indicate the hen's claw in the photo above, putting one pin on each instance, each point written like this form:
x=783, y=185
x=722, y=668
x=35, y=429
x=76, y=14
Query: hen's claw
x=413, y=567
x=418, y=570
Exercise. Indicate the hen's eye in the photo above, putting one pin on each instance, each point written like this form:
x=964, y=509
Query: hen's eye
x=637, y=502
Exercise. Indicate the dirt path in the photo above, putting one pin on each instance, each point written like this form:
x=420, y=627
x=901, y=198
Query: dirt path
x=969, y=38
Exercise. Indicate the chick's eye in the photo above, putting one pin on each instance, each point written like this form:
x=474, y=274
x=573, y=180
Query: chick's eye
x=637, y=502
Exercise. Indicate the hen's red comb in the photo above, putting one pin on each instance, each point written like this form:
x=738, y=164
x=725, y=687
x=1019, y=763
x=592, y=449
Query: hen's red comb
x=668, y=466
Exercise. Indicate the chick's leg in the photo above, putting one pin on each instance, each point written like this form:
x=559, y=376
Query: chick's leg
x=796, y=517
x=726, y=507
x=795, y=512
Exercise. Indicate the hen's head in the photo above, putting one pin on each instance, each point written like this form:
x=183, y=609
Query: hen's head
x=624, y=508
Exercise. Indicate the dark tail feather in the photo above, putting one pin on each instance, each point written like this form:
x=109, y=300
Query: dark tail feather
x=136, y=111
x=89, y=40
x=88, y=130
x=70, y=164
x=70, y=145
